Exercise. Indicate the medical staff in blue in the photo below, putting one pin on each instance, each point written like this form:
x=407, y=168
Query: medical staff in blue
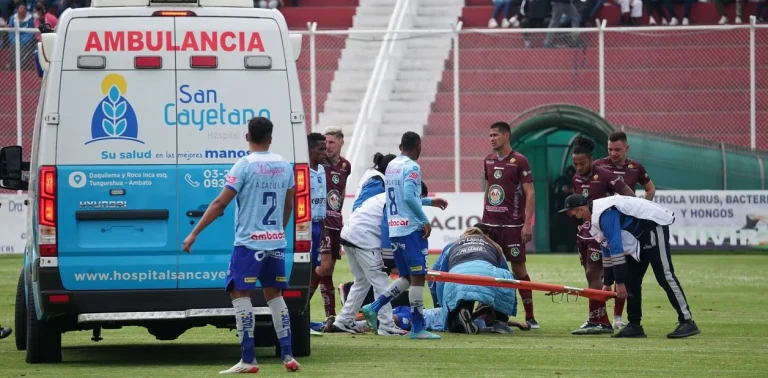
x=263, y=185
x=409, y=229
x=634, y=233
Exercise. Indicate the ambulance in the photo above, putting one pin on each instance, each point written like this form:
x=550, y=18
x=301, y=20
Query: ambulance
x=143, y=108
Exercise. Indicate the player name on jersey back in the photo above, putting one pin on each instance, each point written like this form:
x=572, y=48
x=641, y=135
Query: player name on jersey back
x=401, y=219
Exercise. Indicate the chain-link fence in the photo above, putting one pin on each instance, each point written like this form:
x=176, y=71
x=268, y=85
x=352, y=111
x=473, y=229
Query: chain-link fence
x=19, y=88
x=503, y=74
x=680, y=82
x=693, y=82
x=761, y=86
x=376, y=85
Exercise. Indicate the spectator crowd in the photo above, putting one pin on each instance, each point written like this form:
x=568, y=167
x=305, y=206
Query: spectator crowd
x=582, y=13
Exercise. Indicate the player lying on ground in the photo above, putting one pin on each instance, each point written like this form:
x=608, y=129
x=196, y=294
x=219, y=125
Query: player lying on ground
x=476, y=254
x=409, y=229
x=255, y=256
x=484, y=317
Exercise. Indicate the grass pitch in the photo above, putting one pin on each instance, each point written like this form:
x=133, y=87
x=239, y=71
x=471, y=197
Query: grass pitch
x=726, y=294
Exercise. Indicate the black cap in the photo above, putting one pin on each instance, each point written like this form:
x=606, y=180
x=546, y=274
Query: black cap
x=573, y=201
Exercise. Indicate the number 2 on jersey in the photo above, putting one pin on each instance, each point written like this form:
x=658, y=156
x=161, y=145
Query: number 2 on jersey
x=270, y=199
x=392, y=204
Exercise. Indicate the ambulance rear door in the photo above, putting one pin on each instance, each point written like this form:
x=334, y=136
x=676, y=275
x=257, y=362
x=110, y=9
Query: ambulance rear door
x=116, y=158
x=229, y=70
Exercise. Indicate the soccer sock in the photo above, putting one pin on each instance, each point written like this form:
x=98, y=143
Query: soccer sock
x=282, y=322
x=244, y=320
x=527, y=297
x=597, y=312
x=395, y=288
x=416, y=296
x=314, y=283
x=329, y=295
x=618, y=307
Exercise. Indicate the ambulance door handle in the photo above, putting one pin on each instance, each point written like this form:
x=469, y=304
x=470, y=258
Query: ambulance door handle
x=198, y=213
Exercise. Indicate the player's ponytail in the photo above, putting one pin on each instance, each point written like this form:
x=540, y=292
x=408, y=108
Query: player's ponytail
x=582, y=145
x=377, y=158
x=380, y=162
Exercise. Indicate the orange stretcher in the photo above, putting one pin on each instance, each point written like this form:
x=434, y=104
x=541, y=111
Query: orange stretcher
x=551, y=289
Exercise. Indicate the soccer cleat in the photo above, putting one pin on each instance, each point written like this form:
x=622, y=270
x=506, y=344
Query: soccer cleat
x=631, y=331
x=340, y=326
x=242, y=368
x=312, y=332
x=291, y=364
x=533, y=323
x=465, y=318
x=423, y=335
x=392, y=330
x=371, y=317
x=589, y=328
x=501, y=327
x=5, y=332
x=684, y=329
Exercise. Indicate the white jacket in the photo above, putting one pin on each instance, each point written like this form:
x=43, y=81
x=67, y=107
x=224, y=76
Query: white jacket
x=635, y=207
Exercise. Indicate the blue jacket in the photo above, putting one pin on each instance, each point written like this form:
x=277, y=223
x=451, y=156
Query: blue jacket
x=448, y=294
x=375, y=186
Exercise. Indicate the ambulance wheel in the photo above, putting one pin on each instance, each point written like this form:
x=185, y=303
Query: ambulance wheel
x=43, y=337
x=21, y=315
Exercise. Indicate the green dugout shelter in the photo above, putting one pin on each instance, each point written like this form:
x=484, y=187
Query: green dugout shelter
x=544, y=134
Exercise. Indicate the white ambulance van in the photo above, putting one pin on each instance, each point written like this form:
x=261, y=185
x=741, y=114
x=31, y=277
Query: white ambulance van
x=143, y=108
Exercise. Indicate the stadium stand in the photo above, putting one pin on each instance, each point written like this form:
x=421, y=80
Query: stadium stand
x=687, y=84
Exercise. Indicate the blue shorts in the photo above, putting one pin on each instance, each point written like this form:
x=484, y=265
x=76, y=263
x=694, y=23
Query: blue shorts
x=317, y=240
x=246, y=266
x=410, y=253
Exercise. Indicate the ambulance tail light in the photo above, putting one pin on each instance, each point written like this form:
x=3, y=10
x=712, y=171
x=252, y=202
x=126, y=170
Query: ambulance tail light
x=174, y=13
x=203, y=61
x=303, y=234
x=148, y=62
x=47, y=217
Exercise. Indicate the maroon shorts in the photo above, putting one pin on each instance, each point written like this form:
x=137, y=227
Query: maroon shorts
x=511, y=241
x=589, y=253
x=332, y=243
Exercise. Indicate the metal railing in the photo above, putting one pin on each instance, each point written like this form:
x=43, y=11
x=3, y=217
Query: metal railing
x=639, y=78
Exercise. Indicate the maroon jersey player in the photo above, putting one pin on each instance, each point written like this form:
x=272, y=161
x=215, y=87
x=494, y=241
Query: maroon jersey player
x=594, y=183
x=509, y=206
x=632, y=173
x=337, y=169
x=630, y=170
